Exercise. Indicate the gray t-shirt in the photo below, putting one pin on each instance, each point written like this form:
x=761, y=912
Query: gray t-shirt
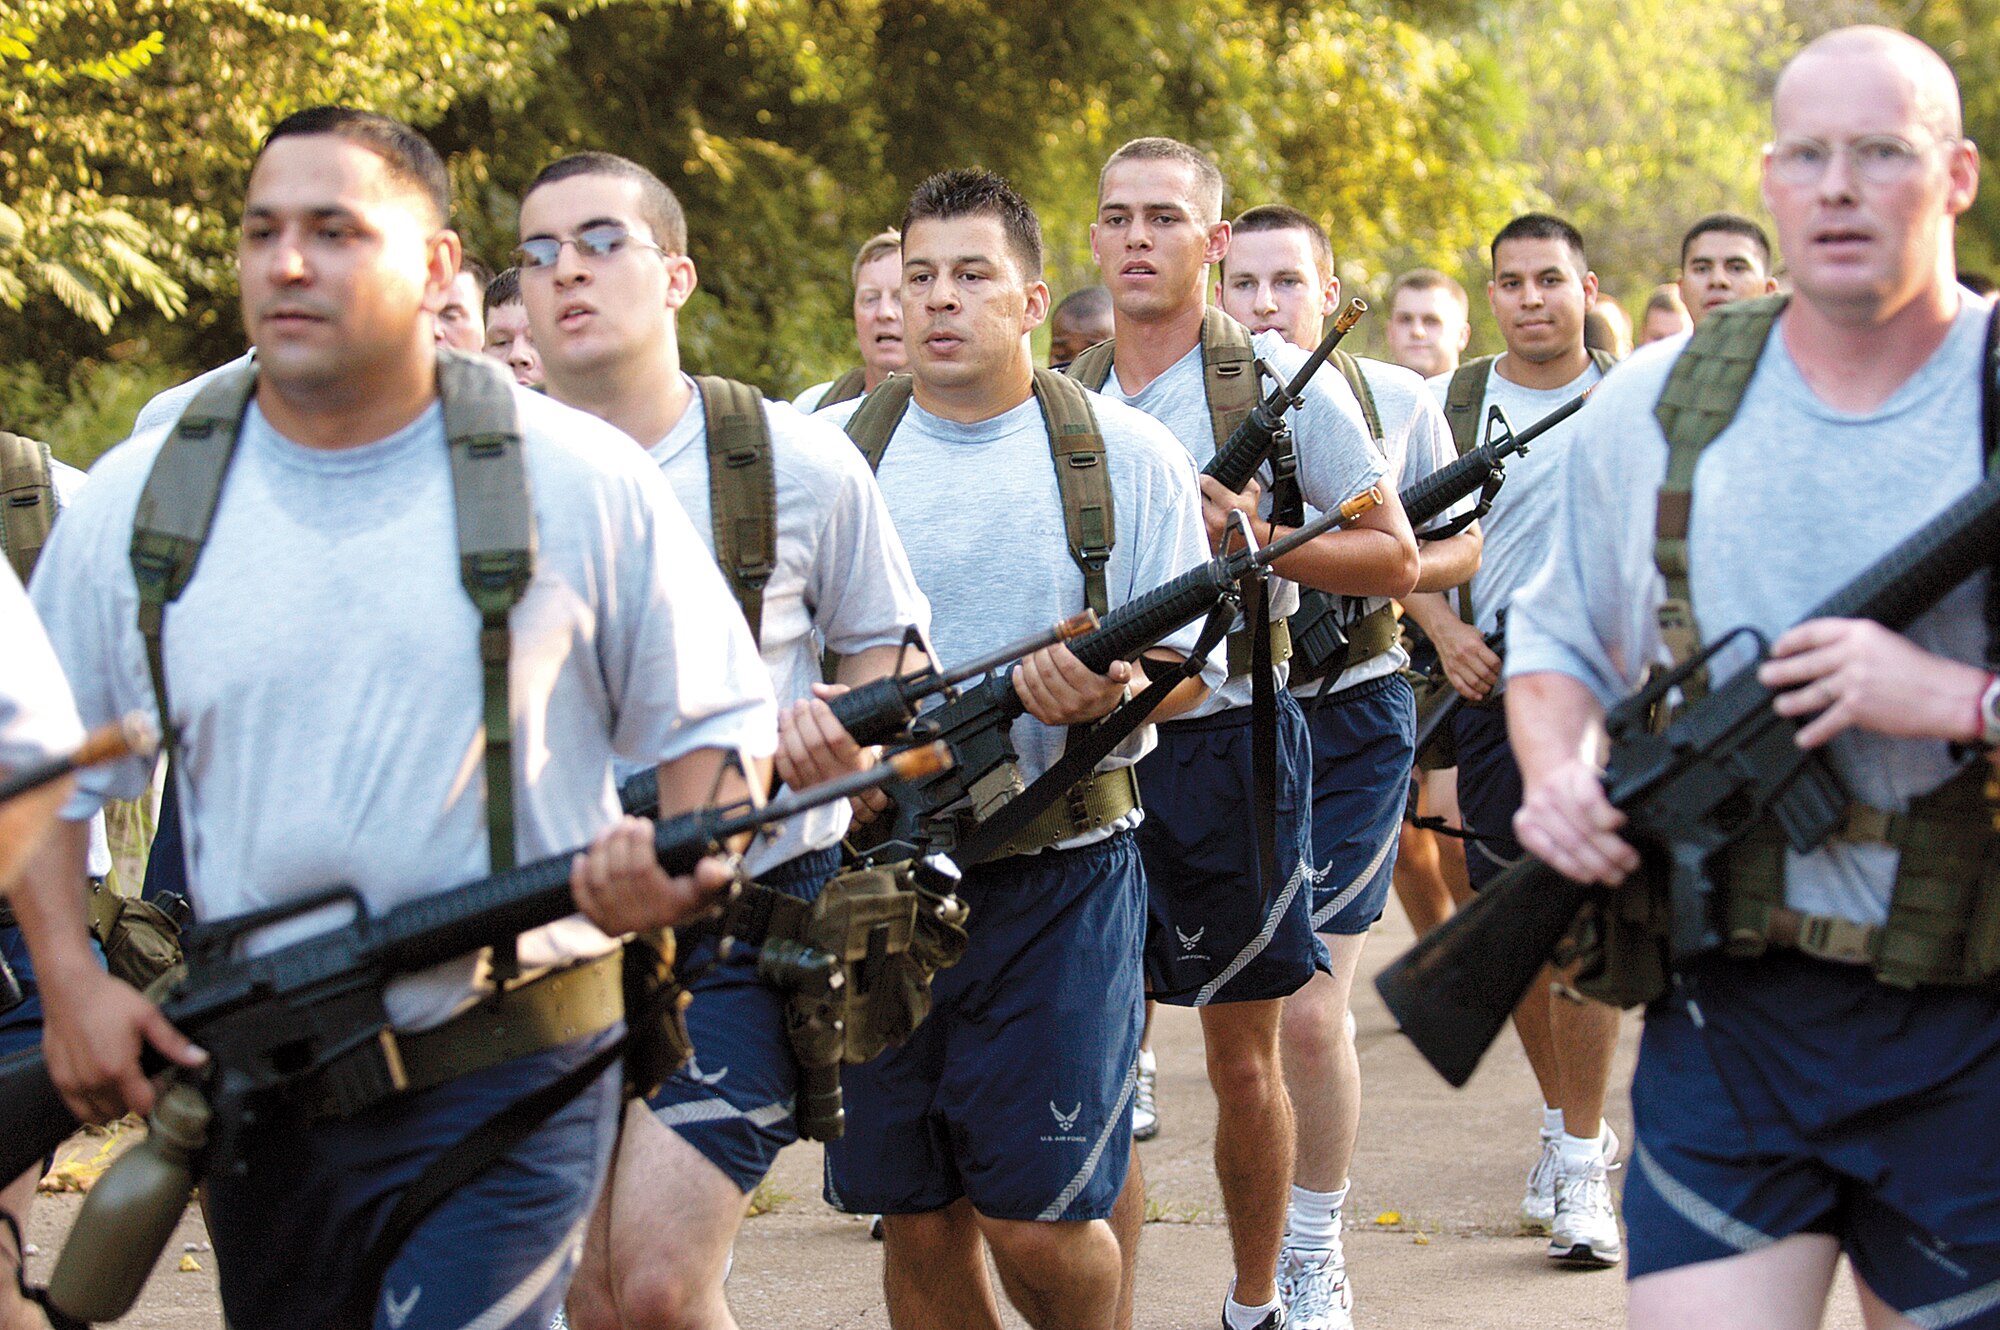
x=38, y=717
x=842, y=580
x=1337, y=459
x=1417, y=442
x=323, y=665
x=1788, y=507
x=69, y=482
x=1520, y=526
x=809, y=400
x=166, y=407
x=978, y=509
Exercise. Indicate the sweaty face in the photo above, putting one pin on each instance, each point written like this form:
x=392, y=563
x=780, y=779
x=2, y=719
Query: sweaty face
x=966, y=302
x=590, y=314
x=509, y=342
x=459, y=324
x=1271, y=281
x=336, y=261
x=1071, y=334
x=1721, y=266
x=1427, y=330
x=1867, y=245
x=878, y=313
x=1539, y=298
x=1151, y=241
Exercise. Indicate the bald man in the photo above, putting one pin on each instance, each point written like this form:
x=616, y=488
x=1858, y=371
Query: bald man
x=1828, y=1086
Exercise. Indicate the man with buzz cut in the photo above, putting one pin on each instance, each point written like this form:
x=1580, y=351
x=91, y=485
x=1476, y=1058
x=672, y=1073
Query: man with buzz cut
x=1002, y=1124
x=1429, y=321
x=878, y=325
x=604, y=273
x=342, y=711
x=1278, y=276
x=1724, y=258
x=1540, y=290
x=1231, y=923
x=1822, y=1084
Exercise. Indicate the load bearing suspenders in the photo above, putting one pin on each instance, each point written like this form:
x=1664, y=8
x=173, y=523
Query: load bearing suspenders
x=496, y=540
x=742, y=491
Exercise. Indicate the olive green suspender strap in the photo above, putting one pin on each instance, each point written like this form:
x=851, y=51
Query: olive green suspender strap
x=28, y=501
x=742, y=491
x=1082, y=475
x=496, y=538
x=1228, y=371
x=846, y=388
x=1350, y=369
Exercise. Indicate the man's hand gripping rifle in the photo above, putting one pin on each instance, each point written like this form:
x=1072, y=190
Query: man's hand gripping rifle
x=1724, y=763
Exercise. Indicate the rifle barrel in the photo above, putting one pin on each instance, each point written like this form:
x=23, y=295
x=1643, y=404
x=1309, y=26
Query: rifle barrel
x=133, y=736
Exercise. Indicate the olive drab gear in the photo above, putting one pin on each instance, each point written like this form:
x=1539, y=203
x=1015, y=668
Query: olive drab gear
x=1229, y=384
x=742, y=491
x=496, y=536
x=1944, y=906
x=846, y=388
x=1082, y=475
x=28, y=501
x=1463, y=398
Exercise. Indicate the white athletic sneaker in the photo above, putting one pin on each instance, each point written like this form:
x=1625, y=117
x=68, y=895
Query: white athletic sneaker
x=1538, y=1205
x=1585, y=1228
x=1313, y=1286
x=1145, y=1110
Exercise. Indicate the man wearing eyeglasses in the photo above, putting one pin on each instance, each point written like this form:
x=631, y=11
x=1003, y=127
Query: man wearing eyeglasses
x=604, y=273
x=1827, y=1086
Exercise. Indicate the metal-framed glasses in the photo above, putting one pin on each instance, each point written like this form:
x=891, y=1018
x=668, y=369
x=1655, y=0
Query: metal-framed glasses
x=592, y=242
x=1875, y=159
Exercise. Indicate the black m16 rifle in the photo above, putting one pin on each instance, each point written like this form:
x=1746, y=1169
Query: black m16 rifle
x=1725, y=762
x=269, y=1022
x=1249, y=445
x=976, y=724
x=1319, y=626
x=134, y=736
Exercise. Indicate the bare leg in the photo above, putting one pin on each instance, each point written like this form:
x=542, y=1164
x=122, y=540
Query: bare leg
x=1058, y=1276
x=1128, y=1218
x=1584, y=1035
x=1441, y=798
x=1877, y=1314
x=1532, y=1023
x=658, y=1245
x=1254, y=1137
x=934, y=1271
x=1322, y=1072
x=1419, y=882
x=1146, y=1030
x=16, y=1313
x=1781, y=1287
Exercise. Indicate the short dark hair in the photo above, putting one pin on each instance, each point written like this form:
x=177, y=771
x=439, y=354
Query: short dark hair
x=1731, y=224
x=972, y=192
x=504, y=289
x=1541, y=226
x=658, y=208
x=411, y=159
x=1428, y=279
x=482, y=276
x=1209, y=188
x=1086, y=302
x=1284, y=217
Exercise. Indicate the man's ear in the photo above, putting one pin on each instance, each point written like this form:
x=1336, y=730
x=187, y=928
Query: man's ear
x=1037, y=311
x=1218, y=243
x=681, y=280
x=446, y=252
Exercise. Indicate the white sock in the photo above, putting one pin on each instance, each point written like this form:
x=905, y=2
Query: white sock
x=1238, y=1317
x=1313, y=1221
x=1552, y=1121
x=1146, y=1060
x=1578, y=1151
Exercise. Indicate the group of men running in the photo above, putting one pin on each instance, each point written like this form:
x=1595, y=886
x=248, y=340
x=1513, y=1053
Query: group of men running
x=339, y=709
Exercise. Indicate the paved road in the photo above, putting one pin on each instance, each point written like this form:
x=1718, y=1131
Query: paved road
x=1432, y=1239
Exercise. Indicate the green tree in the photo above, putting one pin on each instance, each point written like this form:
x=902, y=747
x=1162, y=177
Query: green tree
x=1967, y=34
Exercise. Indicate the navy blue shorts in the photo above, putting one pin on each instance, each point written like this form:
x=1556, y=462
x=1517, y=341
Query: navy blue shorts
x=1016, y=1091
x=498, y=1254
x=1364, y=740
x=21, y=1028
x=1489, y=792
x=1788, y=1095
x=733, y=1100
x=1216, y=932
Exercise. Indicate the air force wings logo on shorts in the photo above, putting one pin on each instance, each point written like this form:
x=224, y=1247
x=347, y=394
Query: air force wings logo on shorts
x=1065, y=1121
x=1189, y=941
x=1065, y=1132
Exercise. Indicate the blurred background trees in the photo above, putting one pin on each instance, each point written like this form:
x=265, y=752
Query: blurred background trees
x=794, y=128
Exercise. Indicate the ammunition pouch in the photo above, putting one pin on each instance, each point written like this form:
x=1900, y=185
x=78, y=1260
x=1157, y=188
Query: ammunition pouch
x=141, y=940
x=655, y=1003
x=1241, y=644
x=1089, y=805
x=1328, y=639
x=1619, y=942
x=550, y=1009
x=1434, y=691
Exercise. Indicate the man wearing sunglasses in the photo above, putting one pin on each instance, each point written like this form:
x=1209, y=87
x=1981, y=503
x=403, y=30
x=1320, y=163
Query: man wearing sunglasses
x=322, y=674
x=1825, y=1085
x=604, y=273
